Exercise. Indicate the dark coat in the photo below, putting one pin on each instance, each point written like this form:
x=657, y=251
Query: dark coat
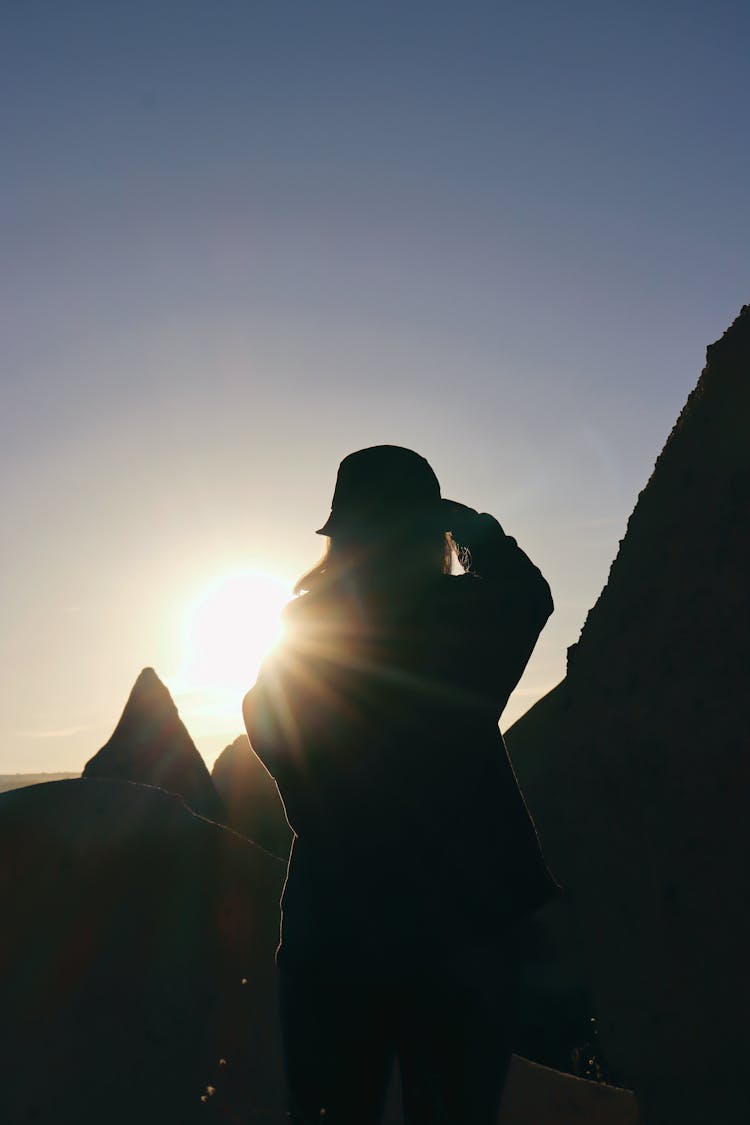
x=379, y=724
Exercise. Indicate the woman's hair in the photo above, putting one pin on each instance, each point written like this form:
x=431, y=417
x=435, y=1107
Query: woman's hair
x=413, y=557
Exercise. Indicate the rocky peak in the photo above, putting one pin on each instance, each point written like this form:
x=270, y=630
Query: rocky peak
x=151, y=745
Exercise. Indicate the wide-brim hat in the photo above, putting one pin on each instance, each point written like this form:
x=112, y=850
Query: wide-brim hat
x=381, y=486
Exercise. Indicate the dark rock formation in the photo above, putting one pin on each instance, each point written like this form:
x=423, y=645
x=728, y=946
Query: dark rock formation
x=537, y=1095
x=150, y=745
x=637, y=768
x=129, y=927
x=250, y=797
x=137, y=981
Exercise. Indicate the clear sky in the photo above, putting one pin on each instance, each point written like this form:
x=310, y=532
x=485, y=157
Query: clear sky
x=241, y=239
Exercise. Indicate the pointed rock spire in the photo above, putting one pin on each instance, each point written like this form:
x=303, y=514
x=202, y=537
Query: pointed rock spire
x=151, y=745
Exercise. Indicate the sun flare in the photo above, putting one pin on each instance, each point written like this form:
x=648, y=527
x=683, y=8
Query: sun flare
x=228, y=629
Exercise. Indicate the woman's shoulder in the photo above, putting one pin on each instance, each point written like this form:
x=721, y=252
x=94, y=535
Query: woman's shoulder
x=295, y=608
x=297, y=618
x=307, y=617
x=307, y=607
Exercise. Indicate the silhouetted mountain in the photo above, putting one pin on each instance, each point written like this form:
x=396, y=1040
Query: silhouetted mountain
x=637, y=768
x=151, y=745
x=129, y=926
x=252, y=802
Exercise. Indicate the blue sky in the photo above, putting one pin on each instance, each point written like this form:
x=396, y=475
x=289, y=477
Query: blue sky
x=242, y=239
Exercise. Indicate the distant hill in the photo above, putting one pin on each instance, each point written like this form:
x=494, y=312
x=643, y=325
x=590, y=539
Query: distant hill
x=637, y=767
x=20, y=780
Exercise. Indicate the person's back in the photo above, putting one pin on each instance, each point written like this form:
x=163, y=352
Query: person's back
x=410, y=827
x=378, y=718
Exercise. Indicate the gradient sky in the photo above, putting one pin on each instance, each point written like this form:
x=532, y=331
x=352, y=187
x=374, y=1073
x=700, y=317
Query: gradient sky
x=240, y=239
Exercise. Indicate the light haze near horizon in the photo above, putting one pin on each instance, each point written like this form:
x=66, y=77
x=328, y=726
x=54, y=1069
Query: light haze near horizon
x=241, y=240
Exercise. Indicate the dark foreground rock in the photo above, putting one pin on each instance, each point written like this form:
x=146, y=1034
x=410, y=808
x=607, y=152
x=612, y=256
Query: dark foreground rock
x=250, y=798
x=151, y=745
x=637, y=769
x=538, y=1095
x=137, y=981
x=136, y=953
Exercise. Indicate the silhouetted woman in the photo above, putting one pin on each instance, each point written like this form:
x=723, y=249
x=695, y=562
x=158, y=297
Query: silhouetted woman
x=414, y=854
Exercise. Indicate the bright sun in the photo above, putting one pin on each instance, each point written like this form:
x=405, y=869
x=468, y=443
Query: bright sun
x=228, y=628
